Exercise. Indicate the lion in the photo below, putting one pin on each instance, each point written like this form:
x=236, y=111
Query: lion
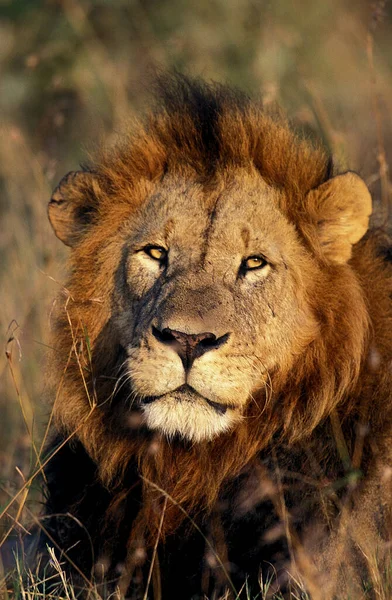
x=222, y=374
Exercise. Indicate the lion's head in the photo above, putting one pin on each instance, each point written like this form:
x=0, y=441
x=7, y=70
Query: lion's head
x=211, y=296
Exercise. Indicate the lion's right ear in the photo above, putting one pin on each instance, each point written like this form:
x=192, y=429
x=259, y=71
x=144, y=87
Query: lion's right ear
x=73, y=206
x=340, y=209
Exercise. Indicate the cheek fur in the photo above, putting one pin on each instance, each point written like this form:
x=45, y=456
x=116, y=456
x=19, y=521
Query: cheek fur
x=227, y=379
x=154, y=373
x=141, y=273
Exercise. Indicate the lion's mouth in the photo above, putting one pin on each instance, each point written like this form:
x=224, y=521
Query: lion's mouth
x=186, y=393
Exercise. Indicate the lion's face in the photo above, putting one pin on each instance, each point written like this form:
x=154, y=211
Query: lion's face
x=213, y=302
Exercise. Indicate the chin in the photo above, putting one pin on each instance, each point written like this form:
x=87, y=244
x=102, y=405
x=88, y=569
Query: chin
x=187, y=414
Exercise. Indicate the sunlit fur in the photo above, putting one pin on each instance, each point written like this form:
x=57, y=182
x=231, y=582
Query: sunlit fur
x=309, y=359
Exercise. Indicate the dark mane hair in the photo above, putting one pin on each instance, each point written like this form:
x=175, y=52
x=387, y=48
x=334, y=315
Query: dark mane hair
x=210, y=128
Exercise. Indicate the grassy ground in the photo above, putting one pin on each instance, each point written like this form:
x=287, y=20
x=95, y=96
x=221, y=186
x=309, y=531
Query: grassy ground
x=73, y=73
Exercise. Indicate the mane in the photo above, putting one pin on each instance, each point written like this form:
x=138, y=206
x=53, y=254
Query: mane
x=207, y=130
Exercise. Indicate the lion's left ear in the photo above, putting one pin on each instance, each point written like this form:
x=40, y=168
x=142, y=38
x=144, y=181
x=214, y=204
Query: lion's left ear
x=340, y=208
x=73, y=206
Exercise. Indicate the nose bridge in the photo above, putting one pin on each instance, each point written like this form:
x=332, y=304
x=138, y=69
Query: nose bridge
x=196, y=305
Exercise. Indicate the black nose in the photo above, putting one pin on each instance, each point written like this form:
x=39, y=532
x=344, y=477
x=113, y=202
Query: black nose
x=189, y=346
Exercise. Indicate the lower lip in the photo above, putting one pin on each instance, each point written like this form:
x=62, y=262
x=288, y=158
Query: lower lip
x=219, y=408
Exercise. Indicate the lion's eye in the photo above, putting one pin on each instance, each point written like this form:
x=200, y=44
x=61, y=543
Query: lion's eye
x=254, y=262
x=156, y=252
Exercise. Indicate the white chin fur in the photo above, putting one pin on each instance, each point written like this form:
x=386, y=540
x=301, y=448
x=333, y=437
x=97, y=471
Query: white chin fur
x=195, y=421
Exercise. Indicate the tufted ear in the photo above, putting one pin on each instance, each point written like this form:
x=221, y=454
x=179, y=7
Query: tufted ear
x=73, y=206
x=340, y=208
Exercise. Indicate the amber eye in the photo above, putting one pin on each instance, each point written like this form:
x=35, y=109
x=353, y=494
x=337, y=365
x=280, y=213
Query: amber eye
x=254, y=262
x=156, y=252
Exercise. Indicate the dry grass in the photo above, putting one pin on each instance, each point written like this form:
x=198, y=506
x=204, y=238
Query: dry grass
x=72, y=73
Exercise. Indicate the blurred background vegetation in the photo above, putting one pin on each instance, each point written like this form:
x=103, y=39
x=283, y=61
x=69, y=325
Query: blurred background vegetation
x=73, y=73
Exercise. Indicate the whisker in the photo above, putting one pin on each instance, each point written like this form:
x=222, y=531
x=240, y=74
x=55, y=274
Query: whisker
x=266, y=384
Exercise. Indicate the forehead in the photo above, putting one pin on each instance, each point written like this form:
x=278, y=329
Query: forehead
x=240, y=210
